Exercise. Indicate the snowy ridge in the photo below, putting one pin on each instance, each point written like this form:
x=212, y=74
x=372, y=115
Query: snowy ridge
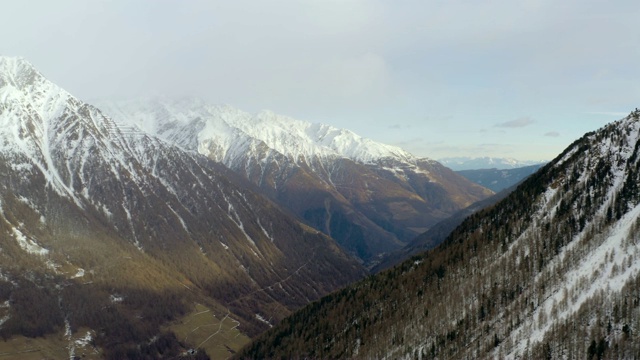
x=234, y=133
x=45, y=126
x=292, y=160
x=606, y=265
x=29, y=127
x=46, y=131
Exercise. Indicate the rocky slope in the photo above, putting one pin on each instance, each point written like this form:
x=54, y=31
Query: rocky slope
x=109, y=233
x=371, y=197
x=552, y=271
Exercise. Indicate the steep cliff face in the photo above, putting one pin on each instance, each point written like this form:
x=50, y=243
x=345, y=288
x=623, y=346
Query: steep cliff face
x=371, y=197
x=91, y=211
x=552, y=271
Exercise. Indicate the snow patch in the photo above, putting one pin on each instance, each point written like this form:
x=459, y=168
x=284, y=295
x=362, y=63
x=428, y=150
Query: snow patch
x=85, y=340
x=266, y=233
x=263, y=320
x=79, y=274
x=29, y=245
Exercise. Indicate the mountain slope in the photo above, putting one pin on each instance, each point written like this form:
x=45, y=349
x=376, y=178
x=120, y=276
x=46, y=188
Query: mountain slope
x=498, y=180
x=437, y=234
x=552, y=271
x=371, y=197
x=97, y=216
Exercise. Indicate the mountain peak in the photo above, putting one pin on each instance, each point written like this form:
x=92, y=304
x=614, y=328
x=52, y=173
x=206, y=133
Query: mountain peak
x=12, y=62
x=17, y=72
x=290, y=137
x=22, y=83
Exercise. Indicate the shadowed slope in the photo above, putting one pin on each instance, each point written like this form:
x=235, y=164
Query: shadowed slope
x=371, y=197
x=551, y=271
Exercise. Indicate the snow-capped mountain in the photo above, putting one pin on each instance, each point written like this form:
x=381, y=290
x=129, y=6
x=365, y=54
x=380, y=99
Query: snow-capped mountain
x=550, y=272
x=103, y=226
x=469, y=163
x=369, y=196
x=182, y=121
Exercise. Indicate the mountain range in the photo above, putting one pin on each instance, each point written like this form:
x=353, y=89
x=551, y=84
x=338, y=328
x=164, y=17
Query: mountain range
x=371, y=197
x=114, y=241
x=552, y=271
x=471, y=163
x=180, y=229
x=498, y=180
x=127, y=227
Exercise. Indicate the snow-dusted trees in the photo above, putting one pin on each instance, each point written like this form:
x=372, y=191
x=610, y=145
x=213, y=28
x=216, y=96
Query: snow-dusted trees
x=550, y=272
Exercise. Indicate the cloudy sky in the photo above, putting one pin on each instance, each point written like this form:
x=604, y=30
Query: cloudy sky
x=440, y=78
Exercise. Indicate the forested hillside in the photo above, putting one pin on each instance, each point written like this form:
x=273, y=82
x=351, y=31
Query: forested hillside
x=552, y=271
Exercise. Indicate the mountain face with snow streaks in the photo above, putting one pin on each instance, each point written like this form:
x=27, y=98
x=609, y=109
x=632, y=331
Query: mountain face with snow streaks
x=92, y=211
x=371, y=197
x=551, y=271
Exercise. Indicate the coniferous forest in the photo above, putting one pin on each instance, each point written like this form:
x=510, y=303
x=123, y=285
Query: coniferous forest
x=549, y=272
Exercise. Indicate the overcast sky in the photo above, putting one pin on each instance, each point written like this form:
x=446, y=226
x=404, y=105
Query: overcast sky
x=439, y=78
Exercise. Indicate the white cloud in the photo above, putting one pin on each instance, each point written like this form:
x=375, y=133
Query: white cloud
x=517, y=123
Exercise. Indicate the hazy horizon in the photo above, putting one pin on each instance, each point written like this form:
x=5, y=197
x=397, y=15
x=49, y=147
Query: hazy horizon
x=439, y=79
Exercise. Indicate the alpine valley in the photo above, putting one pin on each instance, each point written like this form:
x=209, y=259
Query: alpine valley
x=550, y=272
x=371, y=197
x=118, y=244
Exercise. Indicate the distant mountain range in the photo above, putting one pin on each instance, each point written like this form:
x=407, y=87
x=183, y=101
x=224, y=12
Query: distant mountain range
x=498, y=180
x=550, y=272
x=468, y=163
x=371, y=197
